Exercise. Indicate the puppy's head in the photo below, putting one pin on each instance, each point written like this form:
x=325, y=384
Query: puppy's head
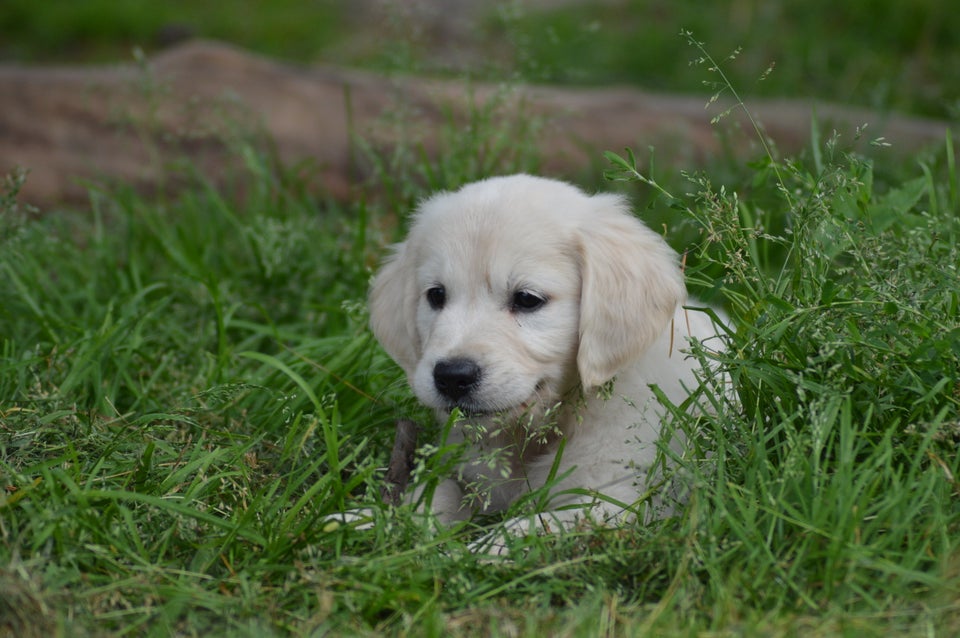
x=512, y=290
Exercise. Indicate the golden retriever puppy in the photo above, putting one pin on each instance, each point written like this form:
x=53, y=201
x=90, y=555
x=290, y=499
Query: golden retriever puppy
x=543, y=315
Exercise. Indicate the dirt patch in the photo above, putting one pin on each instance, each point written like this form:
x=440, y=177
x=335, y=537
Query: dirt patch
x=71, y=125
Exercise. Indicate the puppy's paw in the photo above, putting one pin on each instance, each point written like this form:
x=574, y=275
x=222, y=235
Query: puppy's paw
x=492, y=546
x=359, y=519
x=506, y=537
x=497, y=543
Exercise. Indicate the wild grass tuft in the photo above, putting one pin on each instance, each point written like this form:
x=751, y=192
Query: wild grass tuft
x=833, y=478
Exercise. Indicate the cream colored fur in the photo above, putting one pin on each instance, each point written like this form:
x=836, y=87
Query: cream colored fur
x=612, y=292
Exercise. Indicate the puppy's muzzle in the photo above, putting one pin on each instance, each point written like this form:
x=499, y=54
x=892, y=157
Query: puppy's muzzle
x=455, y=379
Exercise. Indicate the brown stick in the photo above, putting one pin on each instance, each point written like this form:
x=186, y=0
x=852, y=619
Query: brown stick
x=401, y=462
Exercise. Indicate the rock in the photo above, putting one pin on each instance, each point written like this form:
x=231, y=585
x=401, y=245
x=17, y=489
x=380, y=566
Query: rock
x=70, y=126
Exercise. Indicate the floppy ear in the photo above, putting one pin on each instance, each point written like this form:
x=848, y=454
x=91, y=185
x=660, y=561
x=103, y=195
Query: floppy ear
x=631, y=285
x=393, y=307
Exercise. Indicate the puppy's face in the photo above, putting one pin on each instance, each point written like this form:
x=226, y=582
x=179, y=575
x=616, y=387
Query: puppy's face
x=497, y=318
x=512, y=290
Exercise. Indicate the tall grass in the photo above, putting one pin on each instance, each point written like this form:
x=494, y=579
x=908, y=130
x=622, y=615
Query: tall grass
x=188, y=389
x=865, y=52
x=174, y=382
x=836, y=464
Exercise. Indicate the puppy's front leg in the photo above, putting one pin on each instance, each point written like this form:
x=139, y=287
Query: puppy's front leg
x=447, y=504
x=496, y=542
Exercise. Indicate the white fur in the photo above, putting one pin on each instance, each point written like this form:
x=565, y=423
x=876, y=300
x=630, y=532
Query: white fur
x=613, y=291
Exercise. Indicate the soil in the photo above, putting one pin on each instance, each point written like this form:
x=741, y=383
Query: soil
x=73, y=126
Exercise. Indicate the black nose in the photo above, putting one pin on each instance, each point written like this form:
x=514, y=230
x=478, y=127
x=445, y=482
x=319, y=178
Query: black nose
x=455, y=378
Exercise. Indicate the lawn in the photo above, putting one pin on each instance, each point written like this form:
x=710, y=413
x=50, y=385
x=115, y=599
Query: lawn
x=188, y=389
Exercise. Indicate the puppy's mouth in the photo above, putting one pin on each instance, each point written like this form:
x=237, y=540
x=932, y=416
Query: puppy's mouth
x=487, y=409
x=470, y=412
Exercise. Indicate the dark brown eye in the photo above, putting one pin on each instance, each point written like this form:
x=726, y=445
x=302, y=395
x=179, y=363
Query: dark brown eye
x=437, y=297
x=526, y=301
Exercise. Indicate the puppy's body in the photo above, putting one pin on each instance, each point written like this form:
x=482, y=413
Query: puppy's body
x=514, y=300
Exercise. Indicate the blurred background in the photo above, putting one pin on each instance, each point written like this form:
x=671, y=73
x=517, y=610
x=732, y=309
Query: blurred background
x=880, y=54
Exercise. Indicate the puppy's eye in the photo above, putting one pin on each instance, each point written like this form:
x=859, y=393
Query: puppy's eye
x=526, y=301
x=437, y=297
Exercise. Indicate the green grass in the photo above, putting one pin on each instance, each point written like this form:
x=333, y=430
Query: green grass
x=108, y=30
x=879, y=54
x=188, y=388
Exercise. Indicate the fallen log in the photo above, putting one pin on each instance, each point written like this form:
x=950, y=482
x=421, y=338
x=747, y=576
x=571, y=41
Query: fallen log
x=128, y=122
